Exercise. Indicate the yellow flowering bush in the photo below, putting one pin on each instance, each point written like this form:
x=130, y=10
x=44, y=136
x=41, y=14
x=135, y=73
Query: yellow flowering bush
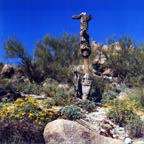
x=26, y=109
x=25, y=119
x=121, y=111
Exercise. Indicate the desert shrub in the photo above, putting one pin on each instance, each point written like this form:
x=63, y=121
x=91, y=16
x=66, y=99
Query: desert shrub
x=61, y=96
x=20, y=132
x=25, y=118
x=108, y=96
x=10, y=91
x=135, y=126
x=121, y=111
x=137, y=95
x=87, y=105
x=15, y=49
x=27, y=87
x=128, y=63
x=4, y=83
x=50, y=89
x=7, y=94
x=56, y=54
x=52, y=57
x=71, y=112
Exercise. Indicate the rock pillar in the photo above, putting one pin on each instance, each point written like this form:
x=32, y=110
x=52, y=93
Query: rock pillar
x=85, y=52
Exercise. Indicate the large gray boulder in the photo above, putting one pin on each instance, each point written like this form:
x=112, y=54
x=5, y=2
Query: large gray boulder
x=69, y=132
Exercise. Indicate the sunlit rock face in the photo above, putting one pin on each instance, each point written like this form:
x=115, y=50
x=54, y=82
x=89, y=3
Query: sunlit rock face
x=8, y=71
x=86, y=86
x=70, y=132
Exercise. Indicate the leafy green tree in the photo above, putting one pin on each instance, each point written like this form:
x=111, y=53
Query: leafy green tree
x=56, y=55
x=127, y=63
x=15, y=49
x=53, y=57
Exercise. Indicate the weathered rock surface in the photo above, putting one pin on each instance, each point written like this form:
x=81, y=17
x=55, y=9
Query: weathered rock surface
x=70, y=132
x=98, y=120
x=139, y=141
x=128, y=141
x=8, y=71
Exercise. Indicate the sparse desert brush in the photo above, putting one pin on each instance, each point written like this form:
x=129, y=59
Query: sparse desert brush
x=137, y=95
x=121, y=111
x=27, y=88
x=135, y=127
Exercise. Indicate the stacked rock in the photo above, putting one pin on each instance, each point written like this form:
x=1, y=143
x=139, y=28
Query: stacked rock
x=85, y=52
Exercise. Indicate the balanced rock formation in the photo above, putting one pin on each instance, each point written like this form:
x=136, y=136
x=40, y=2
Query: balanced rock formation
x=69, y=132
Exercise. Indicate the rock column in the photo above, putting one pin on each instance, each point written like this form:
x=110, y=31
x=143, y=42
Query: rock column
x=85, y=52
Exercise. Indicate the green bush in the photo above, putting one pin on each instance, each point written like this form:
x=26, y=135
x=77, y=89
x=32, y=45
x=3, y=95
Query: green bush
x=121, y=112
x=71, y=112
x=108, y=96
x=137, y=95
x=128, y=63
x=87, y=105
x=27, y=88
x=135, y=126
x=50, y=89
x=61, y=96
x=4, y=83
x=52, y=57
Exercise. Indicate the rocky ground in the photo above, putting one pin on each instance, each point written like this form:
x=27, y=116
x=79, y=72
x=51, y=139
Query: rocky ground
x=95, y=121
x=98, y=122
x=69, y=132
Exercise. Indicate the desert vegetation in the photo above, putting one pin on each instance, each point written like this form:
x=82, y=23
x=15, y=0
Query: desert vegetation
x=39, y=89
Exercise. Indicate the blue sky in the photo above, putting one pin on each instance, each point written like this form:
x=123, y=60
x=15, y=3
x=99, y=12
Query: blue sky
x=31, y=20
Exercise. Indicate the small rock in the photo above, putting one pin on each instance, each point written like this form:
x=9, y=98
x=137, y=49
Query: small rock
x=64, y=86
x=122, y=95
x=107, y=128
x=128, y=141
x=7, y=71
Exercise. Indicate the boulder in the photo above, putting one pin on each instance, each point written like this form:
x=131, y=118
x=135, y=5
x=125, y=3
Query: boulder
x=128, y=141
x=7, y=71
x=107, y=128
x=8, y=94
x=69, y=132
